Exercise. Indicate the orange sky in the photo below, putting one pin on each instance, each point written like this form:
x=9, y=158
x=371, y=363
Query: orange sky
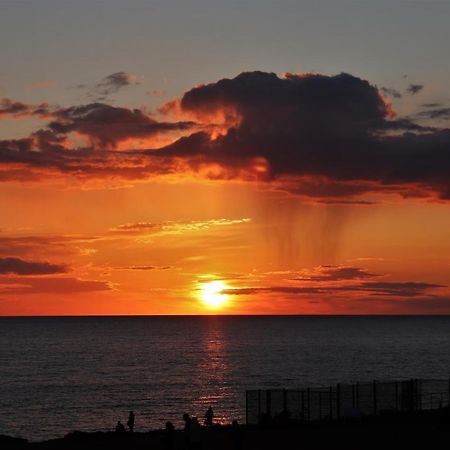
x=188, y=233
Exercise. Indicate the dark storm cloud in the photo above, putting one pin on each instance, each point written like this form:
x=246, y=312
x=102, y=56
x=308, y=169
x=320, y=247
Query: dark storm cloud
x=413, y=89
x=329, y=138
x=267, y=103
x=338, y=128
x=19, y=266
x=391, y=92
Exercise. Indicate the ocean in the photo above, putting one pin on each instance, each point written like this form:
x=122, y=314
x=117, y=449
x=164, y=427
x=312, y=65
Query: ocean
x=85, y=373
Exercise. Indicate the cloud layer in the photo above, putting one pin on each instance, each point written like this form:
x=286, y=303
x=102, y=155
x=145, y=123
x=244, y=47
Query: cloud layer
x=335, y=281
x=327, y=138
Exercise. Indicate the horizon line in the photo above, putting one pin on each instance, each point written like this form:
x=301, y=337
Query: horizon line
x=221, y=315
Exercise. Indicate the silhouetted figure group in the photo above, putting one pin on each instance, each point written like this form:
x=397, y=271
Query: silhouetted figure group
x=193, y=429
x=130, y=423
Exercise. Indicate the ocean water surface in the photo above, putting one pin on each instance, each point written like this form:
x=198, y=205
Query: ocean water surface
x=84, y=373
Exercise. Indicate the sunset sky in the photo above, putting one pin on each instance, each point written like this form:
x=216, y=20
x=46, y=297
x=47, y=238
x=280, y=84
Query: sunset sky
x=251, y=157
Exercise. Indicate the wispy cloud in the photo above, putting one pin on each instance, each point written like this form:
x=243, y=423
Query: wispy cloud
x=336, y=273
x=112, y=84
x=50, y=285
x=435, y=113
x=18, y=109
x=414, y=89
x=175, y=227
x=150, y=268
x=392, y=92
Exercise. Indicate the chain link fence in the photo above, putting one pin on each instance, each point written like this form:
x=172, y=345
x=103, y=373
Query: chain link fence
x=346, y=400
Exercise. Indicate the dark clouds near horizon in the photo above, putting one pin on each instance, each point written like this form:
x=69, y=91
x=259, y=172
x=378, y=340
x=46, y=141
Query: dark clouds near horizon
x=325, y=137
x=18, y=266
x=372, y=288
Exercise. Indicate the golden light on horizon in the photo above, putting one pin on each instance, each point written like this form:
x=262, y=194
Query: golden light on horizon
x=211, y=293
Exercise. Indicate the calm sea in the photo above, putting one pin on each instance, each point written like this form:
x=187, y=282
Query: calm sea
x=62, y=374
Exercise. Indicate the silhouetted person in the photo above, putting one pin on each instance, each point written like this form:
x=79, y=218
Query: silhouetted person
x=187, y=429
x=119, y=427
x=236, y=435
x=130, y=421
x=209, y=416
x=195, y=435
x=169, y=436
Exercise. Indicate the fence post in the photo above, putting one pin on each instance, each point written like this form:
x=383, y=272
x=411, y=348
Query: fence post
x=246, y=407
x=396, y=396
x=269, y=402
x=303, y=405
x=259, y=405
x=284, y=400
x=338, y=401
x=374, y=397
x=331, y=402
x=418, y=394
x=320, y=405
x=353, y=397
x=357, y=394
x=309, y=404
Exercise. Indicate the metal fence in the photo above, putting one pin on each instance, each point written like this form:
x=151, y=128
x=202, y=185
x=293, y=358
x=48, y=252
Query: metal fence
x=347, y=400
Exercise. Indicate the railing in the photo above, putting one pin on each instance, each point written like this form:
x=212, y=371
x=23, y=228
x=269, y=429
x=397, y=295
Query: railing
x=346, y=400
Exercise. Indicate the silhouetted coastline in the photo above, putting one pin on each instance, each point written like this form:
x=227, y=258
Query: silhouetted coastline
x=422, y=428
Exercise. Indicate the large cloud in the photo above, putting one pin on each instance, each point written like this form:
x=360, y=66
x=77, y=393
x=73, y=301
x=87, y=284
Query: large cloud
x=331, y=138
x=339, y=128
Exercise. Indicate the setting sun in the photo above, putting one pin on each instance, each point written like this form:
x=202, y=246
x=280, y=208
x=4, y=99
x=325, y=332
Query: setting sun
x=211, y=293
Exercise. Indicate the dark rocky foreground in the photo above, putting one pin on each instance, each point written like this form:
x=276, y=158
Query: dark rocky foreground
x=424, y=430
